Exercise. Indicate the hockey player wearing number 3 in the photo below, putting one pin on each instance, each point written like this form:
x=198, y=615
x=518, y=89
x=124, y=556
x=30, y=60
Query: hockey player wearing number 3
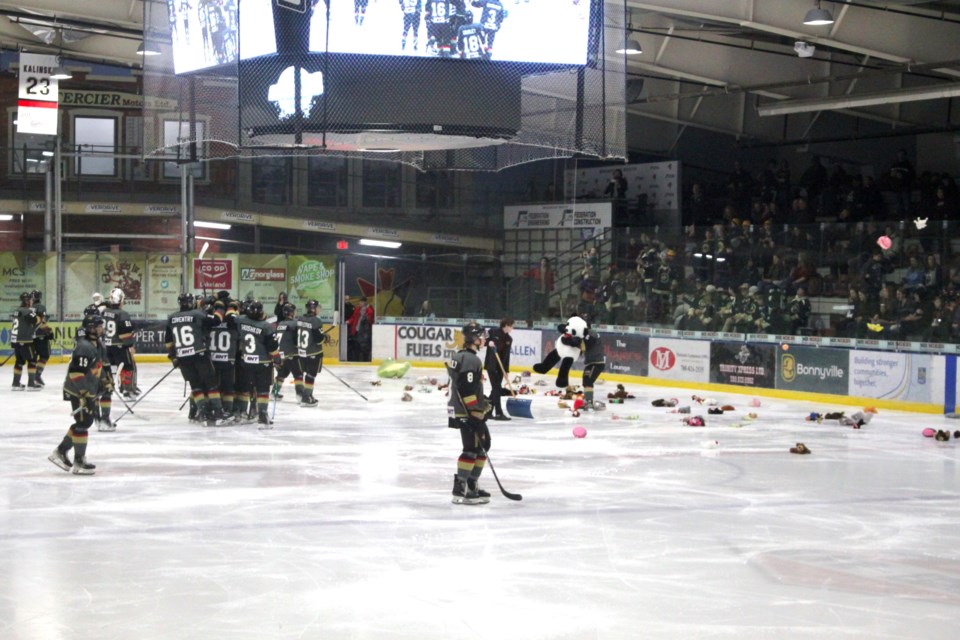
x=258, y=352
x=467, y=411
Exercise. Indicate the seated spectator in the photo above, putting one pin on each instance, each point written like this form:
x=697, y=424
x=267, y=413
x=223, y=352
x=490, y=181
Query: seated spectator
x=913, y=279
x=938, y=322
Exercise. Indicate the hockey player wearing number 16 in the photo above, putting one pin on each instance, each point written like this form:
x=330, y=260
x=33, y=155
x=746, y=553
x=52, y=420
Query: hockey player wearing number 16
x=467, y=411
x=187, y=349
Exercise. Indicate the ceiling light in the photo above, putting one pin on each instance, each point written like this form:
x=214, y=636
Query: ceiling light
x=146, y=51
x=388, y=244
x=47, y=153
x=855, y=101
x=818, y=17
x=61, y=72
x=211, y=225
x=6, y=217
x=631, y=48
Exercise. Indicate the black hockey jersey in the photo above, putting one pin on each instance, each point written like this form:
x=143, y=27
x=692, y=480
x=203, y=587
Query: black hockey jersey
x=287, y=338
x=222, y=340
x=117, y=328
x=186, y=333
x=471, y=42
x=310, y=336
x=466, y=385
x=25, y=321
x=443, y=11
x=411, y=6
x=492, y=14
x=83, y=372
x=258, y=341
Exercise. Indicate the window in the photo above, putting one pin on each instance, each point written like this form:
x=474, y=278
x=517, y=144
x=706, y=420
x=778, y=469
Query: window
x=271, y=180
x=381, y=184
x=28, y=151
x=176, y=140
x=434, y=189
x=95, y=143
x=327, y=182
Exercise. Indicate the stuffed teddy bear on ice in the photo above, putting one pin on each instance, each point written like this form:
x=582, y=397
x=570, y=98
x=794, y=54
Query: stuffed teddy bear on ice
x=567, y=350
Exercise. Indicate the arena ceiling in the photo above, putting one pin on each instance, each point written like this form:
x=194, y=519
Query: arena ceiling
x=726, y=66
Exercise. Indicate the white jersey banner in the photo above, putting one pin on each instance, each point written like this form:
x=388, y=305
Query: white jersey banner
x=38, y=96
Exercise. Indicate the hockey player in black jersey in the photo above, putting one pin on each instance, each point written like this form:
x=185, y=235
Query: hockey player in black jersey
x=81, y=387
x=594, y=362
x=491, y=17
x=22, y=334
x=222, y=341
x=42, y=337
x=289, y=358
x=440, y=17
x=467, y=411
x=186, y=343
x=360, y=11
x=310, y=341
x=411, y=21
x=258, y=351
x=471, y=40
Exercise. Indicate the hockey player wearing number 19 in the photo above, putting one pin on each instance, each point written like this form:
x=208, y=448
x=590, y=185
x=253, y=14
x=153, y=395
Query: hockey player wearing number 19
x=467, y=411
x=186, y=343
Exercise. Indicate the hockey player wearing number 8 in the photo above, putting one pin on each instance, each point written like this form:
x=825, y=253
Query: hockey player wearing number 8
x=81, y=387
x=186, y=345
x=310, y=341
x=492, y=14
x=467, y=411
x=289, y=358
x=259, y=352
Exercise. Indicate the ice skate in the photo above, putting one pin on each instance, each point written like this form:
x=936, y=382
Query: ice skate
x=482, y=495
x=463, y=495
x=18, y=386
x=308, y=401
x=60, y=459
x=83, y=468
x=105, y=424
x=264, y=421
x=33, y=386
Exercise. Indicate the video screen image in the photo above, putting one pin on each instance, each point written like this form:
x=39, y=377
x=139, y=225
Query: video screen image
x=205, y=32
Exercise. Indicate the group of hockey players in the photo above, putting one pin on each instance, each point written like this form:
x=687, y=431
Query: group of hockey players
x=453, y=29
x=30, y=337
x=227, y=353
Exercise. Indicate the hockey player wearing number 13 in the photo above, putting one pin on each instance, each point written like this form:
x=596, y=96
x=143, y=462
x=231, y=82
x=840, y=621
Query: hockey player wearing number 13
x=187, y=349
x=467, y=411
x=310, y=341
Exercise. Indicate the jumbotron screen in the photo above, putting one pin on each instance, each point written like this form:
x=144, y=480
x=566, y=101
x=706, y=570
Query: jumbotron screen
x=209, y=33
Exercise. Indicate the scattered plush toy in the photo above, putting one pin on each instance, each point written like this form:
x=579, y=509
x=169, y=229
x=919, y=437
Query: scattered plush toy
x=857, y=420
x=815, y=417
x=695, y=421
x=568, y=348
x=664, y=402
x=728, y=407
x=621, y=393
x=928, y=432
x=942, y=436
x=407, y=397
x=715, y=411
x=390, y=368
x=800, y=448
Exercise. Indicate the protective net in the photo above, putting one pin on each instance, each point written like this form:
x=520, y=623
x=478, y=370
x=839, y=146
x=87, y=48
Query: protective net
x=438, y=84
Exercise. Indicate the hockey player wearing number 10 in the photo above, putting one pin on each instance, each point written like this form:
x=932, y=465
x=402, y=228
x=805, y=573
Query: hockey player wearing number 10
x=187, y=349
x=289, y=358
x=467, y=411
x=223, y=355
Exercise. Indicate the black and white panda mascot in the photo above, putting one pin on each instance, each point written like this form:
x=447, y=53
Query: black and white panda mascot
x=568, y=348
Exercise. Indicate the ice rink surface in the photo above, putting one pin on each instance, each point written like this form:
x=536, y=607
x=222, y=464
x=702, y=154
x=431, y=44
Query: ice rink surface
x=338, y=523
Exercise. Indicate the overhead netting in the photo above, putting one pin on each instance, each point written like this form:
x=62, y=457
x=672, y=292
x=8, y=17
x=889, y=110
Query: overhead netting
x=438, y=84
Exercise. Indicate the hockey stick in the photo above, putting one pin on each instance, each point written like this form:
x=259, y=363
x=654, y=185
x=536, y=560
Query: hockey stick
x=351, y=388
x=203, y=280
x=506, y=494
x=276, y=396
x=113, y=384
x=7, y=359
x=138, y=400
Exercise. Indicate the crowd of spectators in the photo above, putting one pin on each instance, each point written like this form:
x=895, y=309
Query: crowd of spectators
x=757, y=246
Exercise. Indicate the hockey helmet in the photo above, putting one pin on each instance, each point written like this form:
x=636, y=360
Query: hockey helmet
x=91, y=310
x=255, y=310
x=117, y=296
x=26, y=298
x=223, y=296
x=288, y=310
x=90, y=323
x=311, y=307
x=186, y=301
x=37, y=296
x=472, y=332
x=97, y=298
